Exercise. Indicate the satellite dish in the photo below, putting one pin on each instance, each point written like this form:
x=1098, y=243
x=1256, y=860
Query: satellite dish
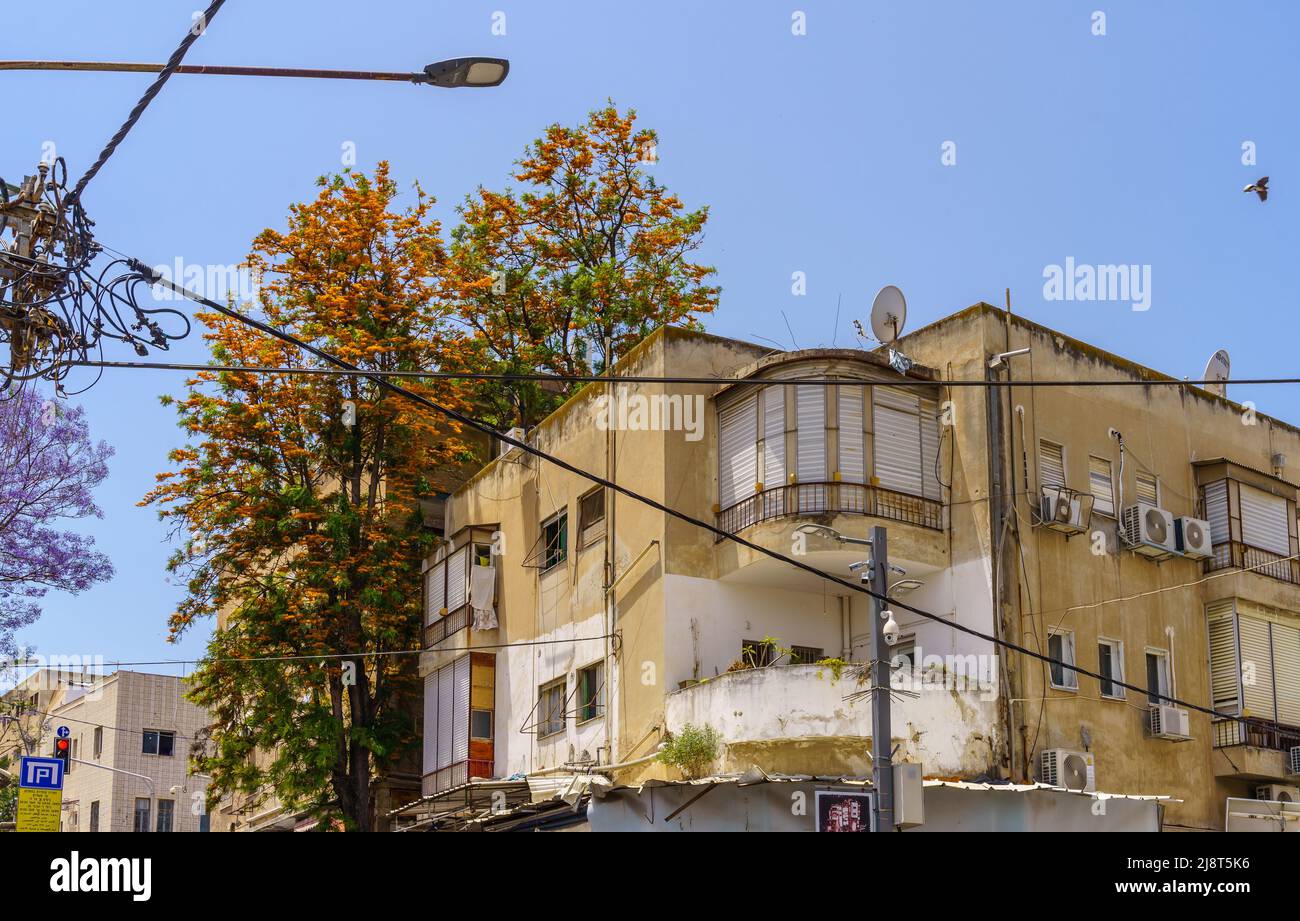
x=1216, y=369
x=888, y=313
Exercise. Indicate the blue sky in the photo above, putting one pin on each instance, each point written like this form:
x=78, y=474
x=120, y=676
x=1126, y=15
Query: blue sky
x=818, y=153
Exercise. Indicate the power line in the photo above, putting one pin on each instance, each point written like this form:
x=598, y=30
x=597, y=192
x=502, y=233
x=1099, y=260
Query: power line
x=650, y=379
x=191, y=36
x=461, y=418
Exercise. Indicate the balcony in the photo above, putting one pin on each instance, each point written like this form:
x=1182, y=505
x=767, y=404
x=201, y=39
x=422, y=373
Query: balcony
x=1253, y=749
x=803, y=719
x=1236, y=555
x=808, y=499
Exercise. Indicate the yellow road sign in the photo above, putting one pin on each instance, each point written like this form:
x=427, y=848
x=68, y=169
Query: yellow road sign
x=39, y=810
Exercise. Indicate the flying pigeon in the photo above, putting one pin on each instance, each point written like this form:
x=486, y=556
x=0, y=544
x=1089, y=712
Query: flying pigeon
x=1259, y=187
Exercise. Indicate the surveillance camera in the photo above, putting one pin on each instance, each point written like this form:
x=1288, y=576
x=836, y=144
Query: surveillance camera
x=890, y=629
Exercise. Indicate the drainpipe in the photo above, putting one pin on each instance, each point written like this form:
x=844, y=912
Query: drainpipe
x=846, y=628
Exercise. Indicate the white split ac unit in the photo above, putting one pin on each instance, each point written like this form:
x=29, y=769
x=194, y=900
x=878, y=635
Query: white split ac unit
x=1278, y=793
x=1169, y=722
x=517, y=434
x=1294, y=759
x=1148, y=530
x=1062, y=509
x=1059, y=767
x=1193, y=538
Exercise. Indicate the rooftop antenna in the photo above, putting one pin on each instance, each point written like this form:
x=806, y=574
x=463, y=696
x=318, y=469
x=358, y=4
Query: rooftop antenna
x=1217, y=369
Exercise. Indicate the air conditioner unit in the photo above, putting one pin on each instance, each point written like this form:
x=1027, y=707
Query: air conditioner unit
x=1277, y=793
x=1148, y=530
x=517, y=434
x=1072, y=770
x=1063, y=510
x=1193, y=538
x=1294, y=759
x=1169, y=722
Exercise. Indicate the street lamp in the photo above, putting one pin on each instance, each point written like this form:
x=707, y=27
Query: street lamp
x=450, y=74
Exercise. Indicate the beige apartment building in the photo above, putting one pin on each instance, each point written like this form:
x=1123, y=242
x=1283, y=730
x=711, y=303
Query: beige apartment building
x=1144, y=532
x=131, y=734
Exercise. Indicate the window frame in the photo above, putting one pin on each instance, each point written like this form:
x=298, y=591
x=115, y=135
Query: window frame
x=560, y=684
x=147, y=812
x=598, y=701
x=561, y=555
x=585, y=538
x=158, y=735
x=1110, y=481
x=759, y=660
x=1069, y=671
x=1168, y=690
x=170, y=812
x=1065, y=467
x=1137, y=479
x=1116, y=659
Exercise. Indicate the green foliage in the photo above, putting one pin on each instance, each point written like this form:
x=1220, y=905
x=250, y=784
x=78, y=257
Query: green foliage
x=692, y=750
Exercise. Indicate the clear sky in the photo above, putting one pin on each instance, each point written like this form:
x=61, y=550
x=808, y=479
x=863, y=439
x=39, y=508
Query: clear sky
x=820, y=153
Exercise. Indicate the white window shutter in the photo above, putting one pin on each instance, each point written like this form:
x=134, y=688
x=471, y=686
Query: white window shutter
x=852, y=463
x=431, y=723
x=1148, y=488
x=1216, y=511
x=446, y=711
x=897, y=440
x=1099, y=484
x=460, y=711
x=457, y=575
x=1051, y=464
x=1264, y=521
x=773, y=437
x=1286, y=663
x=930, y=441
x=435, y=591
x=1224, y=670
x=737, y=450
x=1257, y=655
x=810, y=464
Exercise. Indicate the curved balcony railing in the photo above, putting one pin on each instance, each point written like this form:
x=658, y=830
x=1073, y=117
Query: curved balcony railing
x=806, y=499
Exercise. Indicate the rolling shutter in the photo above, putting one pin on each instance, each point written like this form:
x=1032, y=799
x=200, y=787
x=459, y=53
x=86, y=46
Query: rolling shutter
x=431, y=723
x=1216, y=511
x=457, y=574
x=1099, y=484
x=773, y=437
x=1223, y=657
x=1263, y=521
x=460, y=710
x=852, y=463
x=930, y=440
x=1051, y=464
x=1256, y=667
x=737, y=451
x=897, y=439
x=1286, y=668
x=1148, y=488
x=810, y=462
x=446, y=709
x=435, y=592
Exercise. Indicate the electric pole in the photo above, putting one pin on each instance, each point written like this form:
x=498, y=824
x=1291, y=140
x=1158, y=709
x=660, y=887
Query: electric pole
x=882, y=771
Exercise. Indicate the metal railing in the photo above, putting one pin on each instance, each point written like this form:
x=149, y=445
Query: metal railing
x=1236, y=555
x=831, y=498
x=445, y=626
x=1255, y=732
x=458, y=774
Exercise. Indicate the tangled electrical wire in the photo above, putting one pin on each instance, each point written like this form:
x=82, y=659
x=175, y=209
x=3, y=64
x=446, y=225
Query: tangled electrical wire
x=56, y=307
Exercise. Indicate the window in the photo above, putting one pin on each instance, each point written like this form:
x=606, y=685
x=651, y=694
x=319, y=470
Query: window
x=1051, y=464
x=159, y=742
x=1099, y=484
x=555, y=541
x=459, y=701
x=166, y=809
x=737, y=450
x=757, y=653
x=94, y=816
x=905, y=441
x=591, y=692
x=852, y=464
x=1157, y=676
x=1255, y=660
x=480, y=725
x=1148, y=488
x=99, y=741
x=1110, y=665
x=810, y=440
x=141, y=814
x=806, y=655
x=903, y=653
x=1060, y=647
x=591, y=516
x=773, y=474
x=550, y=707
x=482, y=554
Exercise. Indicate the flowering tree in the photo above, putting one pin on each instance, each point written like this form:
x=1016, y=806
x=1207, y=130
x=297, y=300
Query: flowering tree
x=48, y=469
x=592, y=249
x=300, y=496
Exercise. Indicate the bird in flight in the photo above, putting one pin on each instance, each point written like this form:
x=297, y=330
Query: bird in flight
x=1259, y=187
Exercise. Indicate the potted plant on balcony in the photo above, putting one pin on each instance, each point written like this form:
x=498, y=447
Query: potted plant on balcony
x=692, y=750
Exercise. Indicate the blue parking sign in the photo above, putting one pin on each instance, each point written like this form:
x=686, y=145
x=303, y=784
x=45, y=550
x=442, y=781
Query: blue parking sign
x=41, y=773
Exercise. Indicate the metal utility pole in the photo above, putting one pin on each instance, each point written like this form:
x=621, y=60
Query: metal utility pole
x=882, y=772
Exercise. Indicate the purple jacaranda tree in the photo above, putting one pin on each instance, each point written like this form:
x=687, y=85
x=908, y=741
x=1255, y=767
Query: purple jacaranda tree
x=48, y=469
